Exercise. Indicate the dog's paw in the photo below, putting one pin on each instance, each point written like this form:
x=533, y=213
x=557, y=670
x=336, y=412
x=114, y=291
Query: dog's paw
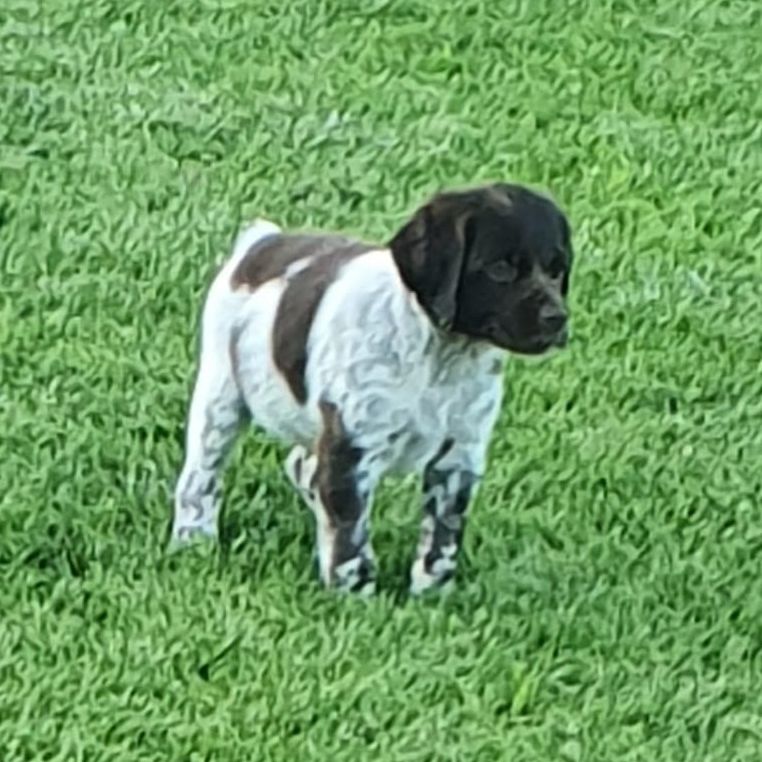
x=187, y=535
x=438, y=577
x=356, y=576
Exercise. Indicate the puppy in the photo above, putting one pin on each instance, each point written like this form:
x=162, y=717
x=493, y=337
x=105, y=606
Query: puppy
x=374, y=359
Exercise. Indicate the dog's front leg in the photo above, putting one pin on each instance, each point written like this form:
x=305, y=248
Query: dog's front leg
x=449, y=483
x=337, y=484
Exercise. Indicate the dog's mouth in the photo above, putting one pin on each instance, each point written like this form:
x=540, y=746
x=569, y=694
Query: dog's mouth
x=534, y=345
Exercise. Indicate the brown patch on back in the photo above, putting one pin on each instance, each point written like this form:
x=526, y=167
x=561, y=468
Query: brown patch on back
x=301, y=299
x=271, y=257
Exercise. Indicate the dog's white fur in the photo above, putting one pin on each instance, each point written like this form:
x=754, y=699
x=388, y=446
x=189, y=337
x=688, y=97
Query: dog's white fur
x=402, y=388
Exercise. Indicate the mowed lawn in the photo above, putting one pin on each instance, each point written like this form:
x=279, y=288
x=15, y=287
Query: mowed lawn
x=610, y=602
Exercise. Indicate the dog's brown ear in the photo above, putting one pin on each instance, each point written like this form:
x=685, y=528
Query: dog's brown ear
x=430, y=251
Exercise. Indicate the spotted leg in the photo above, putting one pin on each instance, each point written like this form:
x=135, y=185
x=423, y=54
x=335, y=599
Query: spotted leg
x=448, y=486
x=214, y=419
x=336, y=484
x=300, y=467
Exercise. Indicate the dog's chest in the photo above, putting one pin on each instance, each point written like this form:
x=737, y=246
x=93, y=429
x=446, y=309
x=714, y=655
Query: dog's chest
x=423, y=427
x=454, y=402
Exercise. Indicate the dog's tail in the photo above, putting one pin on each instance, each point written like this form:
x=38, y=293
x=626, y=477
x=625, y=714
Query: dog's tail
x=223, y=301
x=252, y=233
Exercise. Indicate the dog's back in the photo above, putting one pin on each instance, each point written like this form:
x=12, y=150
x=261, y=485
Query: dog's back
x=305, y=317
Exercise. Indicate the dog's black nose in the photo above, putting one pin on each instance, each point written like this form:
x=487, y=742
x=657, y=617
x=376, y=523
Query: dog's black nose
x=552, y=320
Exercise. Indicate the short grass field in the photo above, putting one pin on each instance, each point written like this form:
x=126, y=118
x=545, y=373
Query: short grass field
x=609, y=606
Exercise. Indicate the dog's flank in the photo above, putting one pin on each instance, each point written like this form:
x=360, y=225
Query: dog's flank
x=308, y=264
x=297, y=308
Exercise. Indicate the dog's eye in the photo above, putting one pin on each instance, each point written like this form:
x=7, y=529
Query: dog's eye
x=557, y=267
x=502, y=271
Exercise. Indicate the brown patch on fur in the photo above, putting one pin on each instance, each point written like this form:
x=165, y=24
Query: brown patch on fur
x=300, y=302
x=336, y=477
x=271, y=257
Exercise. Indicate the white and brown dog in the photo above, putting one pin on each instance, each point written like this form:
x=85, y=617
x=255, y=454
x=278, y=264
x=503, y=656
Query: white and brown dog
x=375, y=359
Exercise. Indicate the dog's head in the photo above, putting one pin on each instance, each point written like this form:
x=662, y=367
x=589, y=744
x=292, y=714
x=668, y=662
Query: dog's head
x=491, y=263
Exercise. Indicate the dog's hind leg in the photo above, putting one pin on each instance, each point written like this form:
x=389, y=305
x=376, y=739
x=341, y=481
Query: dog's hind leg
x=300, y=467
x=217, y=407
x=216, y=414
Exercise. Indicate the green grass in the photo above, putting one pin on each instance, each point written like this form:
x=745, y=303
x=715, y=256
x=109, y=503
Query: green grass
x=610, y=603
